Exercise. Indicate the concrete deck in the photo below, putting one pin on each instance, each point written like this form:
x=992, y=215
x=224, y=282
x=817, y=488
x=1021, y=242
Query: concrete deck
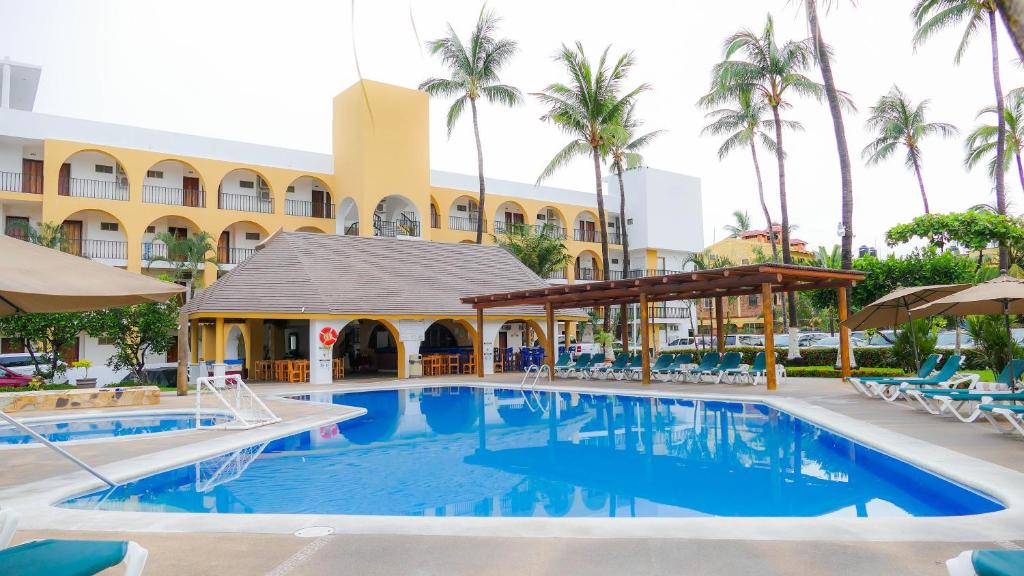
x=235, y=553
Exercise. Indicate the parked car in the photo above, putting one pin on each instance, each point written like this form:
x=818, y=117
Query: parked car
x=21, y=362
x=577, y=348
x=10, y=378
x=807, y=339
x=833, y=342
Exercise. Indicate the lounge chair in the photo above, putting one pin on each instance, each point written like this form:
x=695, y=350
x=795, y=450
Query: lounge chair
x=563, y=364
x=582, y=362
x=987, y=563
x=681, y=362
x=707, y=362
x=946, y=401
x=606, y=370
x=59, y=557
x=1012, y=413
x=662, y=363
x=749, y=373
x=892, y=389
x=860, y=383
x=587, y=372
x=730, y=362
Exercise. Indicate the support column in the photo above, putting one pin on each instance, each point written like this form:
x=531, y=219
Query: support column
x=194, y=341
x=844, y=335
x=219, y=368
x=645, y=341
x=625, y=332
x=209, y=274
x=184, y=335
x=551, y=339
x=769, y=335
x=720, y=324
x=478, y=348
x=411, y=333
x=321, y=355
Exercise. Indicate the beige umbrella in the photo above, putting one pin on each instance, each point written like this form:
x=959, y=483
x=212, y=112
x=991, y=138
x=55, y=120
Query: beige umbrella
x=38, y=279
x=1002, y=295
x=895, y=308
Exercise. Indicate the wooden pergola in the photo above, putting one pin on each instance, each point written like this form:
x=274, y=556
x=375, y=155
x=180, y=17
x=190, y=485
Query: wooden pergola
x=718, y=284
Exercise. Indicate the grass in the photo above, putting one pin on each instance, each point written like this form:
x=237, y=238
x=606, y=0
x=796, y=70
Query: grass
x=986, y=375
x=45, y=387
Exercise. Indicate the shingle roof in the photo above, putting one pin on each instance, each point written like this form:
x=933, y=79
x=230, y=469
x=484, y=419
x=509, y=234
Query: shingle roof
x=301, y=272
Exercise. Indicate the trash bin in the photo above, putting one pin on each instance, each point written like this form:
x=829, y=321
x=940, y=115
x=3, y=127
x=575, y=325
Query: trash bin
x=415, y=366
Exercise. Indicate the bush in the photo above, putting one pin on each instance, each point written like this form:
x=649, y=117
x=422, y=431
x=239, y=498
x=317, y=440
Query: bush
x=903, y=347
x=44, y=387
x=992, y=341
x=830, y=372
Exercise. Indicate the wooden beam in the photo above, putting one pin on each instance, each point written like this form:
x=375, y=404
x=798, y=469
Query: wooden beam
x=769, y=336
x=720, y=324
x=479, y=348
x=844, y=336
x=645, y=342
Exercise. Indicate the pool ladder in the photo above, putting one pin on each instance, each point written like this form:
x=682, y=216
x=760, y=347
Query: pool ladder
x=39, y=438
x=537, y=372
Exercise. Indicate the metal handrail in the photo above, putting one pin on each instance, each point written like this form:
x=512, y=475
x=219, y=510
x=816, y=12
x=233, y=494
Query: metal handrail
x=245, y=203
x=264, y=415
x=56, y=448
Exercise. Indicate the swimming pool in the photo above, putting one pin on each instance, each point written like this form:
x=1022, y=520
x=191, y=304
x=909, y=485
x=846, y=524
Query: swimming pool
x=463, y=451
x=68, y=428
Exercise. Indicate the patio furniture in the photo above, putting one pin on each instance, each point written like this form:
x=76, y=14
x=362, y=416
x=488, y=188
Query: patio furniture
x=469, y=366
x=860, y=382
x=1013, y=414
x=604, y=371
x=338, y=369
x=946, y=401
x=452, y=366
x=680, y=363
x=730, y=361
x=281, y=368
x=987, y=563
x=583, y=362
x=636, y=368
x=563, y=363
x=893, y=389
x=748, y=373
x=264, y=370
x=707, y=362
x=499, y=360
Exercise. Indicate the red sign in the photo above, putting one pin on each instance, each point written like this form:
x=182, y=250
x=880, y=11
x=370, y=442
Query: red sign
x=328, y=336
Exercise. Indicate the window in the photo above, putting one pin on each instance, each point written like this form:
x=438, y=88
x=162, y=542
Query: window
x=290, y=190
x=629, y=221
x=611, y=224
x=745, y=261
x=252, y=235
x=104, y=169
x=150, y=229
x=106, y=341
x=247, y=184
x=708, y=303
x=753, y=300
x=158, y=174
x=615, y=260
x=109, y=226
x=461, y=208
x=177, y=232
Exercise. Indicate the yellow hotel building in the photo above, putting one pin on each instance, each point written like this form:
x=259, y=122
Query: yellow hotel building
x=114, y=187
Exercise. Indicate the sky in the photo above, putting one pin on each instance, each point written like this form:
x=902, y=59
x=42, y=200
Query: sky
x=265, y=72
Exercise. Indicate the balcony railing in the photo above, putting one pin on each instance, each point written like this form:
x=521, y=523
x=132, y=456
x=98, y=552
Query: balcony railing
x=464, y=223
x=352, y=229
x=588, y=274
x=309, y=209
x=511, y=227
x=670, y=312
x=641, y=273
x=173, y=196
x=556, y=275
x=595, y=236
x=245, y=203
x=151, y=250
x=233, y=255
x=391, y=229
x=550, y=230
x=17, y=182
x=103, y=249
x=100, y=189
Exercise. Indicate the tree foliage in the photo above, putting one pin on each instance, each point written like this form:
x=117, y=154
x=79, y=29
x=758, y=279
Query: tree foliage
x=974, y=230
x=922, y=267
x=541, y=251
x=46, y=337
x=136, y=331
x=186, y=255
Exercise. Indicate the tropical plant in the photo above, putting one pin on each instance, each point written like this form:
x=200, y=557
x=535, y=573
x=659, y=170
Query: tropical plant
x=742, y=224
x=48, y=234
x=589, y=108
x=186, y=255
x=924, y=333
x=975, y=230
x=475, y=69
x=919, y=268
x=541, y=251
x=981, y=142
x=46, y=337
x=136, y=332
x=746, y=125
x=930, y=16
x=705, y=260
x=991, y=339
x=899, y=123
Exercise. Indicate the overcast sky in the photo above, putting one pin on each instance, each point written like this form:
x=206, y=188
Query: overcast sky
x=265, y=72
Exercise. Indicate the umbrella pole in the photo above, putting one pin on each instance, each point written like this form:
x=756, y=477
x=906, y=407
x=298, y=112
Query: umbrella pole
x=1009, y=343
x=913, y=336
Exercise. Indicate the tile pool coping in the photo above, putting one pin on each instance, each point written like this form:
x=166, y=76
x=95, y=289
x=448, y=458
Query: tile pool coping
x=36, y=501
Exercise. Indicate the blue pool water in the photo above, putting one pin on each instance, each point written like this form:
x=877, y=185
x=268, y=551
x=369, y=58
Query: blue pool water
x=105, y=427
x=469, y=452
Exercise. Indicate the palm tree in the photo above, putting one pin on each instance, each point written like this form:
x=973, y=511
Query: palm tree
x=48, y=234
x=900, y=123
x=589, y=108
x=474, y=74
x=981, y=143
x=770, y=71
x=930, y=16
x=186, y=254
x=705, y=260
x=541, y=251
x=835, y=105
x=742, y=219
x=746, y=125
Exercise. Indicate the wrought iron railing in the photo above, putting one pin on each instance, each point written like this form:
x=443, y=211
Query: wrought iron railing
x=463, y=223
x=586, y=235
x=10, y=181
x=245, y=203
x=391, y=229
x=501, y=227
x=90, y=248
x=309, y=209
x=234, y=255
x=588, y=274
x=556, y=275
x=173, y=196
x=550, y=230
x=101, y=189
x=641, y=273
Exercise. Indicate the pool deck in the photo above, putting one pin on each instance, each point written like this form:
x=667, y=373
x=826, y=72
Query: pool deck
x=30, y=471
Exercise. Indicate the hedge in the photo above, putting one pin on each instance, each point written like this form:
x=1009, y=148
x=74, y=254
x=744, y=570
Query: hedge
x=881, y=357
x=31, y=389
x=830, y=372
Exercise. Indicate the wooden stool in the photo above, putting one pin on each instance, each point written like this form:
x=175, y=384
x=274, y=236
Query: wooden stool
x=338, y=369
x=453, y=364
x=469, y=367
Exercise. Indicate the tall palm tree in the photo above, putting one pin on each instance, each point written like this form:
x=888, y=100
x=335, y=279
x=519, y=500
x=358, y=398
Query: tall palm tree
x=742, y=219
x=474, y=71
x=899, y=122
x=588, y=108
x=981, y=142
x=540, y=250
x=930, y=16
x=746, y=125
x=771, y=71
x=835, y=107
x=186, y=255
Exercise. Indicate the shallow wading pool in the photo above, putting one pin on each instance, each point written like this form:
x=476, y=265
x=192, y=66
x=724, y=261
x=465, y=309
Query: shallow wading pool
x=463, y=451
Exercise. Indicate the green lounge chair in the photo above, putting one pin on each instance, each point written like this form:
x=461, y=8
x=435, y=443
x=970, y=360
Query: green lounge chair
x=987, y=563
x=588, y=371
x=66, y=557
x=730, y=361
x=635, y=366
x=620, y=362
x=749, y=373
x=582, y=362
x=563, y=364
x=1013, y=414
x=661, y=363
x=892, y=389
x=860, y=383
x=946, y=401
x=707, y=362
x=680, y=363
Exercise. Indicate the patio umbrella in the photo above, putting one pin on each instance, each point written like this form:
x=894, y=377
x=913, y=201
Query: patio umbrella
x=895, y=308
x=1002, y=295
x=34, y=278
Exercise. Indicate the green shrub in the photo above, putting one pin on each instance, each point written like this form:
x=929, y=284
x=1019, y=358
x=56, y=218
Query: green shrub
x=45, y=387
x=903, y=347
x=830, y=372
x=992, y=341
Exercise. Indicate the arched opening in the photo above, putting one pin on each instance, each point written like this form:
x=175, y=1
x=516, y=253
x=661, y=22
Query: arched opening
x=464, y=214
x=238, y=242
x=245, y=191
x=519, y=345
x=508, y=216
x=348, y=218
x=435, y=214
x=368, y=347
x=551, y=222
x=234, y=346
x=447, y=348
x=164, y=246
x=174, y=183
x=93, y=174
x=312, y=229
x=308, y=196
x=92, y=234
x=396, y=216
x=585, y=227
x=587, y=266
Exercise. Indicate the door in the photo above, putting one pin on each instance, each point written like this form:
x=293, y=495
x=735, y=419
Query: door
x=17, y=227
x=73, y=236
x=503, y=341
x=318, y=203
x=31, y=176
x=172, y=352
x=587, y=231
x=224, y=248
x=64, y=180
x=190, y=194
x=69, y=353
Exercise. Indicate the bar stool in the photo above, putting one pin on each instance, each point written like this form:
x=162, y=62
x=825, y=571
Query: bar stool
x=281, y=369
x=453, y=364
x=469, y=366
x=338, y=369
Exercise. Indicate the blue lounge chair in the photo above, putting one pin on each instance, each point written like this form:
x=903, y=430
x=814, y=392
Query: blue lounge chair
x=892, y=389
x=563, y=364
x=946, y=401
x=606, y=370
x=582, y=362
x=987, y=563
x=636, y=371
x=1013, y=414
x=860, y=383
x=66, y=557
x=730, y=361
x=707, y=362
x=680, y=363
x=749, y=373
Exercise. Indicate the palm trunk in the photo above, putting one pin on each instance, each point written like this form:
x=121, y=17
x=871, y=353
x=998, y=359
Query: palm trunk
x=832, y=95
x=623, y=310
x=480, y=172
x=787, y=257
x=920, y=184
x=764, y=205
x=604, y=226
x=1013, y=17
x=1020, y=170
x=1001, y=133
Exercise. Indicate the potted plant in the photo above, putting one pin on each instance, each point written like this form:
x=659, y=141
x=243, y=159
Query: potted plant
x=85, y=381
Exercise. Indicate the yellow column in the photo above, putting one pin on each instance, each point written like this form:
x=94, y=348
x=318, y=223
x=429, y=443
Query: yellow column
x=479, y=348
x=645, y=341
x=551, y=340
x=844, y=335
x=209, y=274
x=769, y=335
x=218, y=338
